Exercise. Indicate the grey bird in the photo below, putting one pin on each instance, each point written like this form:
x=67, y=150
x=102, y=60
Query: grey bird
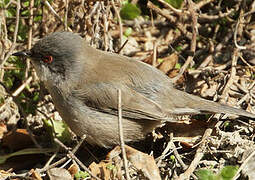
x=84, y=81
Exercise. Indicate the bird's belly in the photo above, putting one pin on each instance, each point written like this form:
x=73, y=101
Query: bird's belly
x=103, y=129
x=100, y=128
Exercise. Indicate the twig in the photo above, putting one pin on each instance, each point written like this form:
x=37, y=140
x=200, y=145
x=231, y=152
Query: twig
x=200, y=4
x=50, y=160
x=235, y=36
x=22, y=87
x=165, y=152
x=231, y=78
x=171, y=19
x=199, y=155
x=243, y=165
x=118, y=52
x=206, y=17
x=14, y=35
x=176, y=154
x=72, y=156
x=55, y=13
x=93, y=9
x=245, y=62
x=193, y=41
x=121, y=136
x=106, y=28
x=52, y=10
x=47, y=167
x=154, y=57
x=120, y=23
x=30, y=33
x=66, y=15
x=179, y=12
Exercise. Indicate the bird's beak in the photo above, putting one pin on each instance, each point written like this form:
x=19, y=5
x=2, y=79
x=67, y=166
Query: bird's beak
x=26, y=53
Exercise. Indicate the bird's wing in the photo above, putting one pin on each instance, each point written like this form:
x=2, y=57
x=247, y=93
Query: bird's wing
x=104, y=97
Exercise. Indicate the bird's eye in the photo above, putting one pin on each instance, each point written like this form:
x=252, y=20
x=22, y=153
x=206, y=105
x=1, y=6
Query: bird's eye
x=48, y=59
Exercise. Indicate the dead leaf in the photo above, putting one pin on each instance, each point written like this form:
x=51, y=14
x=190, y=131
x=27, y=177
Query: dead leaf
x=16, y=140
x=35, y=175
x=103, y=170
x=59, y=174
x=141, y=161
x=168, y=63
x=5, y=174
x=73, y=169
x=148, y=59
x=175, y=72
x=3, y=129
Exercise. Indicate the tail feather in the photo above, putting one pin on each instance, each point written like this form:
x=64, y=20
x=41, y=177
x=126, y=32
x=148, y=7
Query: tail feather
x=214, y=107
x=190, y=104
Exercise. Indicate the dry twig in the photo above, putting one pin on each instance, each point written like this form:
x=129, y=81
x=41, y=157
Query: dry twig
x=121, y=136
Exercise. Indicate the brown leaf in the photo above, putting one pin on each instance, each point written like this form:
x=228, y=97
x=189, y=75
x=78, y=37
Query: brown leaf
x=73, y=169
x=17, y=139
x=35, y=175
x=101, y=170
x=143, y=162
x=59, y=174
x=3, y=129
x=168, y=63
x=148, y=59
x=5, y=174
x=174, y=73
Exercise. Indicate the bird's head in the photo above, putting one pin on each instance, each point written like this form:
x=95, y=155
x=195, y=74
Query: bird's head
x=54, y=55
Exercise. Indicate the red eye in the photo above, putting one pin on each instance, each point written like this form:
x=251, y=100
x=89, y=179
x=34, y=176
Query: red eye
x=48, y=59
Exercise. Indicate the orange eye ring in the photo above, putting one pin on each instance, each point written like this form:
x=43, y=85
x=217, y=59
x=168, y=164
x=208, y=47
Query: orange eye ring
x=48, y=59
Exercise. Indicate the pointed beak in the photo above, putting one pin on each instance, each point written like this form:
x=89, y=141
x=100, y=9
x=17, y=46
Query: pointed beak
x=26, y=53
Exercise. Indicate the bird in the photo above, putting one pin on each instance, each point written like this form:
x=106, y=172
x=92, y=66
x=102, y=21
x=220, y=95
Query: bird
x=84, y=83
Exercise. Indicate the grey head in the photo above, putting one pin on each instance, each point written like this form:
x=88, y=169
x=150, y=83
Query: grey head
x=55, y=54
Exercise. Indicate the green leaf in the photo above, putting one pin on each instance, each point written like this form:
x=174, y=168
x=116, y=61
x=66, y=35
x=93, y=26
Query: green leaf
x=25, y=13
x=37, y=18
x=81, y=175
x=172, y=157
x=228, y=172
x=26, y=3
x=125, y=2
x=60, y=128
x=129, y=11
x=2, y=100
x=128, y=32
x=178, y=66
x=226, y=124
x=1, y=4
x=178, y=48
x=175, y=3
x=8, y=14
x=111, y=167
x=36, y=96
x=8, y=82
x=205, y=174
x=160, y=60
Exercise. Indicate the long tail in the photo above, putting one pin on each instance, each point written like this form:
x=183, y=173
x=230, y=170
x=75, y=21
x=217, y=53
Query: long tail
x=200, y=105
x=221, y=108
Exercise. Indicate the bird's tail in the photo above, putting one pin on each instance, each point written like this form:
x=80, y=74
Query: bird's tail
x=215, y=107
x=200, y=105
